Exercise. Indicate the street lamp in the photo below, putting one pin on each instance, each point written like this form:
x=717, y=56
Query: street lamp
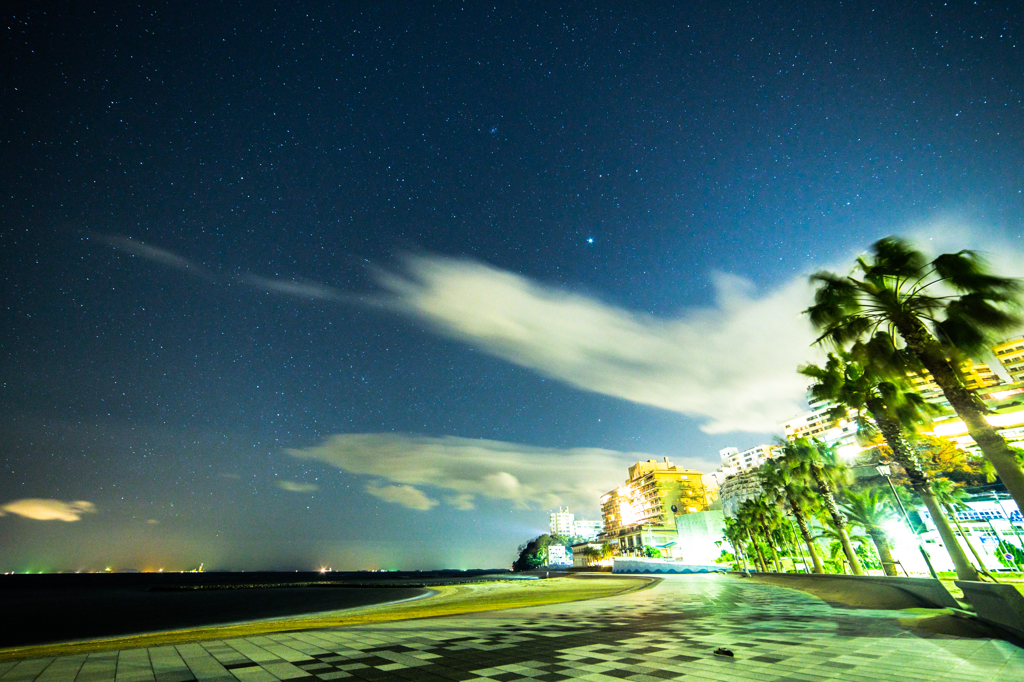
x=885, y=471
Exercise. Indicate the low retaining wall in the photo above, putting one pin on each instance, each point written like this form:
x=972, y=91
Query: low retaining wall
x=655, y=566
x=999, y=605
x=867, y=591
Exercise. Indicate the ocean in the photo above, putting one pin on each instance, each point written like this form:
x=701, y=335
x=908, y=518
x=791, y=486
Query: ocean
x=45, y=608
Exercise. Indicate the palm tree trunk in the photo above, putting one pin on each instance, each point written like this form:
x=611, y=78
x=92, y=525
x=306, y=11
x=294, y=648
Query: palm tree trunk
x=963, y=534
x=882, y=547
x=838, y=519
x=992, y=445
x=798, y=550
x=762, y=566
x=740, y=556
x=806, y=533
x=904, y=455
x=787, y=542
x=771, y=546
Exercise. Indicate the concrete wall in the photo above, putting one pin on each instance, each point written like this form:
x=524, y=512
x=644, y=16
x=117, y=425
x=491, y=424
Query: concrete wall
x=999, y=605
x=630, y=565
x=868, y=591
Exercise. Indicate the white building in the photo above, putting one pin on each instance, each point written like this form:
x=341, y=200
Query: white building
x=750, y=458
x=736, y=462
x=562, y=522
x=586, y=530
x=989, y=519
x=559, y=555
x=818, y=425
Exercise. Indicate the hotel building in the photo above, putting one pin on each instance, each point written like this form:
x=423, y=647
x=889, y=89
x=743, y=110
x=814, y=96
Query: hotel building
x=642, y=512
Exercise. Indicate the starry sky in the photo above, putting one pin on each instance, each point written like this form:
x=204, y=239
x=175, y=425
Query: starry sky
x=378, y=285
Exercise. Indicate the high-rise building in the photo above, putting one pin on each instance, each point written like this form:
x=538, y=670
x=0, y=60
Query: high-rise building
x=561, y=522
x=1011, y=356
x=751, y=458
x=820, y=423
x=642, y=512
x=586, y=530
x=975, y=375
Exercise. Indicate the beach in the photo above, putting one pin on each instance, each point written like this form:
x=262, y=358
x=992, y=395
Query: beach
x=130, y=616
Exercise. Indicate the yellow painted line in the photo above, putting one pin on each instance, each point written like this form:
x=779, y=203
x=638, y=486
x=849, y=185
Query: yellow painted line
x=450, y=600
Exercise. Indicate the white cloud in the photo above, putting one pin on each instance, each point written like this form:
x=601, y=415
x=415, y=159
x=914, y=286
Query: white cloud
x=733, y=365
x=48, y=510
x=467, y=469
x=405, y=495
x=295, y=487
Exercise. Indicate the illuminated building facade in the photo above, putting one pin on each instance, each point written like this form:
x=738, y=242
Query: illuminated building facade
x=1011, y=356
x=751, y=458
x=975, y=375
x=642, y=512
x=817, y=424
x=587, y=530
x=562, y=522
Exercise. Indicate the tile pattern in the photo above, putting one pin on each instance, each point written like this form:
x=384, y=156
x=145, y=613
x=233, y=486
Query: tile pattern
x=668, y=632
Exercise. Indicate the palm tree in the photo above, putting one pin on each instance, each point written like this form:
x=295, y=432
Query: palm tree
x=735, y=534
x=869, y=509
x=827, y=531
x=771, y=521
x=886, y=407
x=826, y=469
x=745, y=525
x=754, y=512
x=784, y=480
x=939, y=309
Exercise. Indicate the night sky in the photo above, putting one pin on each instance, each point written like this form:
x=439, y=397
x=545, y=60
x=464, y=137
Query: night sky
x=379, y=285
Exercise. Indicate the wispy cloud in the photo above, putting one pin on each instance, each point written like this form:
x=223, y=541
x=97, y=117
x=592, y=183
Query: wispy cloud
x=405, y=495
x=296, y=487
x=732, y=364
x=154, y=254
x=295, y=288
x=48, y=510
x=466, y=469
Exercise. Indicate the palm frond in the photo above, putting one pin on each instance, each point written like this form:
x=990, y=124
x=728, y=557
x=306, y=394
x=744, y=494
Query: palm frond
x=968, y=273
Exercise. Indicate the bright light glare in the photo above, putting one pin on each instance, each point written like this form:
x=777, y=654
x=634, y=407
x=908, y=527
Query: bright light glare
x=956, y=427
x=849, y=451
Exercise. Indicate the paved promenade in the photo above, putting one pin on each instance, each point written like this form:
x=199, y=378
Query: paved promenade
x=667, y=632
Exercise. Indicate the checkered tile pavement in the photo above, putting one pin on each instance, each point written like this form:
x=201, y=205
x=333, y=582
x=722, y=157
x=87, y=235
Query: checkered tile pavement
x=667, y=632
